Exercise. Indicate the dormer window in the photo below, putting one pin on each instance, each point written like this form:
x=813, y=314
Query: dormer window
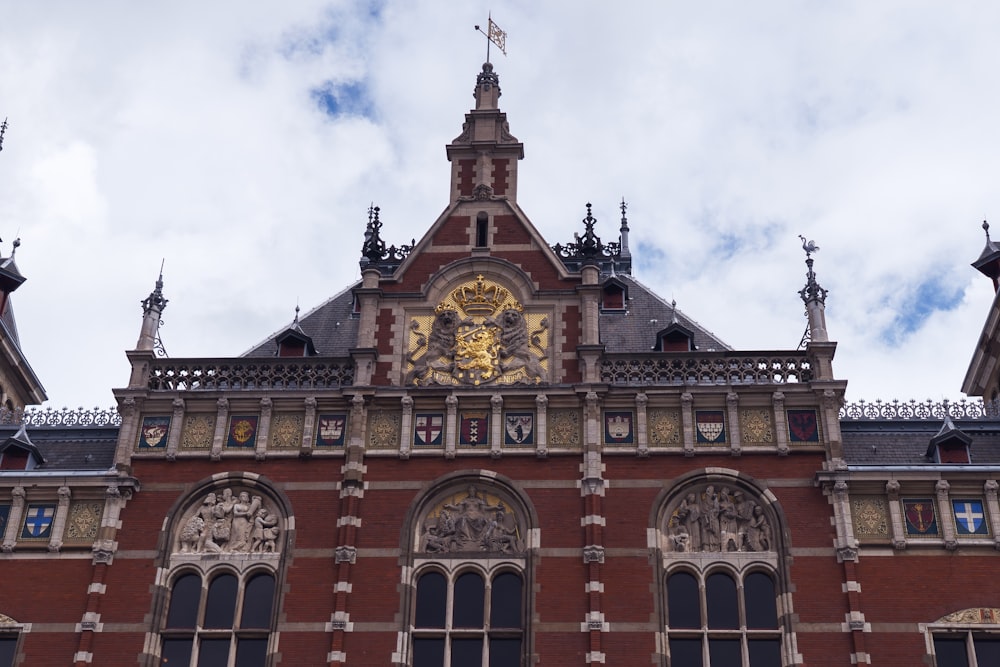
x=19, y=453
x=614, y=295
x=950, y=445
x=675, y=338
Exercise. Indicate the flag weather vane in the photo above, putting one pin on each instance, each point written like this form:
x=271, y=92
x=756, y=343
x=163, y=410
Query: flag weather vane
x=495, y=35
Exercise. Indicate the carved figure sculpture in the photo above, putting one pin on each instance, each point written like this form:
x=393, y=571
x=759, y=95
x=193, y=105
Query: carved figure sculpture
x=514, y=351
x=440, y=352
x=225, y=524
x=472, y=524
x=723, y=521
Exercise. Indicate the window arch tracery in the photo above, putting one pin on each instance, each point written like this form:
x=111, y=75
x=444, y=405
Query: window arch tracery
x=221, y=558
x=471, y=548
x=723, y=575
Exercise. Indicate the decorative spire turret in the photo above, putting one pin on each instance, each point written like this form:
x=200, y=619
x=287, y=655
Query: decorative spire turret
x=375, y=253
x=623, y=232
x=814, y=298
x=989, y=260
x=152, y=308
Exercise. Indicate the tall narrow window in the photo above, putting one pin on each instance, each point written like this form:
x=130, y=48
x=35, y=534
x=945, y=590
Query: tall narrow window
x=226, y=624
x=482, y=223
x=468, y=621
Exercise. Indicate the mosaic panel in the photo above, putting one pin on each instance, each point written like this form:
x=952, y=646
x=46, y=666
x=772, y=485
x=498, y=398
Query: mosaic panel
x=286, y=431
x=153, y=433
x=331, y=430
x=970, y=517
x=756, y=427
x=870, y=517
x=383, y=430
x=38, y=522
x=564, y=428
x=803, y=426
x=619, y=428
x=710, y=426
x=663, y=427
x=242, y=431
x=519, y=429
x=428, y=429
x=198, y=432
x=83, y=521
x=921, y=517
x=474, y=428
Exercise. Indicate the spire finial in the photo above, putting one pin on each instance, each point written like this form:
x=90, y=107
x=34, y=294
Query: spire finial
x=494, y=35
x=16, y=244
x=373, y=249
x=152, y=308
x=986, y=228
x=296, y=320
x=3, y=131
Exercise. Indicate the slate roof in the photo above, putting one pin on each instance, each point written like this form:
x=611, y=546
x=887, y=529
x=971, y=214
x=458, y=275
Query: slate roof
x=634, y=331
x=905, y=443
x=332, y=326
x=72, y=448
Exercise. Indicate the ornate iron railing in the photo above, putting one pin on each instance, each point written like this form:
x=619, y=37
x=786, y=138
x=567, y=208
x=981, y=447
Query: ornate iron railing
x=249, y=374
x=39, y=417
x=919, y=410
x=711, y=368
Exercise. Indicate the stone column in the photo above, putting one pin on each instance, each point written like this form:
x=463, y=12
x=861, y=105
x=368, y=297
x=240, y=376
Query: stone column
x=541, y=426
x=221, y=427
x=406, y=427
x=263, y=428
x=496, y=425
x=687, y=423
x=308, y=428
x=780, y=422
x=896, y=527
x=641, y=425
x=59, y=521
x=733, y=415
x=451, y=426
x=993, y=509
x=14, y=519
x=944, y=515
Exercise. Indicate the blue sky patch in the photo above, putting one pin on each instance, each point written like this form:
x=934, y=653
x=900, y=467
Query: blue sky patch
x=344, y=99
x=931, y=296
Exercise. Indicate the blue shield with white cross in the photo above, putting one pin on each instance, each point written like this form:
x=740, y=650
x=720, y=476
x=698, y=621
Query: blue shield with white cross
x=38, y=521
x=970, y=519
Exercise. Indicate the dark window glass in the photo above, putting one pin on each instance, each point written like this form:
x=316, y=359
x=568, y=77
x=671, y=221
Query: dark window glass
x=987, y=651
x=213, y=652
x=251, y=652
x=467, y=652
x=176, y=652
x=482, y=218
x=258, y=596
x=221, y=604
x=720, y=599
x=505, y=652
x=764, y=652
x=683, y=609
x=470, y=594
x=724, y=653
x=184, y=598
x=8, y=650
x=761, y=604
x=432, y=599
x=505, y=601
x=951, y=651
x=685, y=652
x=428, y=652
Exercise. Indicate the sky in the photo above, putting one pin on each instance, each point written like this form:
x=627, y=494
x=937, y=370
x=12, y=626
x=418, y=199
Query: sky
x=241, y=144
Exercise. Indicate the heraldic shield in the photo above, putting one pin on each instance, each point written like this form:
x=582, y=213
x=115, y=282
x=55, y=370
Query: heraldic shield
x=478, y=335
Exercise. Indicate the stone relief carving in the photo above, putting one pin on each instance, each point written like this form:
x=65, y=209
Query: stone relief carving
x=477, y=522
x=479, y=334
x=974, y=615
x=229, y=521
x=718, y=521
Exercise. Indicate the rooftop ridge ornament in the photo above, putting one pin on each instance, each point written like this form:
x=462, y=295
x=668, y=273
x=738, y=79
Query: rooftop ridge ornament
x=590, y=243
x=374, y=251
x=494, y=35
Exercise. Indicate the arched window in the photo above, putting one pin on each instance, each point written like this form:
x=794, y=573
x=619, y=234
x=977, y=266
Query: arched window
x=225, y=623
x=468, y=619
x=722, y=619
x=722, y=568
x=470, y=567
x=223, y=552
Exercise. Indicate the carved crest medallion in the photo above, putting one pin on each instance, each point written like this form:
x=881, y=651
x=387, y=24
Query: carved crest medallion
x=330, y=430
x=921, y=520
x=618, y=428
x=970, y=519
x=242, y=431
x=802, y=426
x=479, y=335
x=427, y=429
x=153, y=432
x=519, y=428
x=711, y=426
x=475, y=429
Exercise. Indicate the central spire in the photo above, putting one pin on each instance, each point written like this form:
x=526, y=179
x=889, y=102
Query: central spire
x=484, y=157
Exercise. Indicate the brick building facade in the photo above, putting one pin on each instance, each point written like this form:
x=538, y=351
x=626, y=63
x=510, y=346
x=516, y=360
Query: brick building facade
x=496, y=451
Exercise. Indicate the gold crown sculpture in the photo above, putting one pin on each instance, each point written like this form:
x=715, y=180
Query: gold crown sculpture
x=479, y=298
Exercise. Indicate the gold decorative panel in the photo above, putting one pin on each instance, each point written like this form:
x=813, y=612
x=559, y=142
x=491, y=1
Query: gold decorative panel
x=756, y=427
x=663, y=427
x=478, y=335
x=286, y=431
x=83, y=521
x=198, y=432
x=564, y=428
x=870, y=517
x=383, y=430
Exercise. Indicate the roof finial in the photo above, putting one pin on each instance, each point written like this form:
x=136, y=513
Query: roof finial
x=152, y=308
x=3, y=131
x=809, y=246
x=814, y=298
x=296, y=320
x=373, y=249
x=623, y=240
x=986, y=228
x=16, y=244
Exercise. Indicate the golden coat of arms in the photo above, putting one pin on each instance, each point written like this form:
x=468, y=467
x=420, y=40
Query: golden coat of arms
x=479, y=335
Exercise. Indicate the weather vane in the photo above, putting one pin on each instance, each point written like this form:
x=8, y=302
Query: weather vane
x=494, y=34
x=3, y=130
